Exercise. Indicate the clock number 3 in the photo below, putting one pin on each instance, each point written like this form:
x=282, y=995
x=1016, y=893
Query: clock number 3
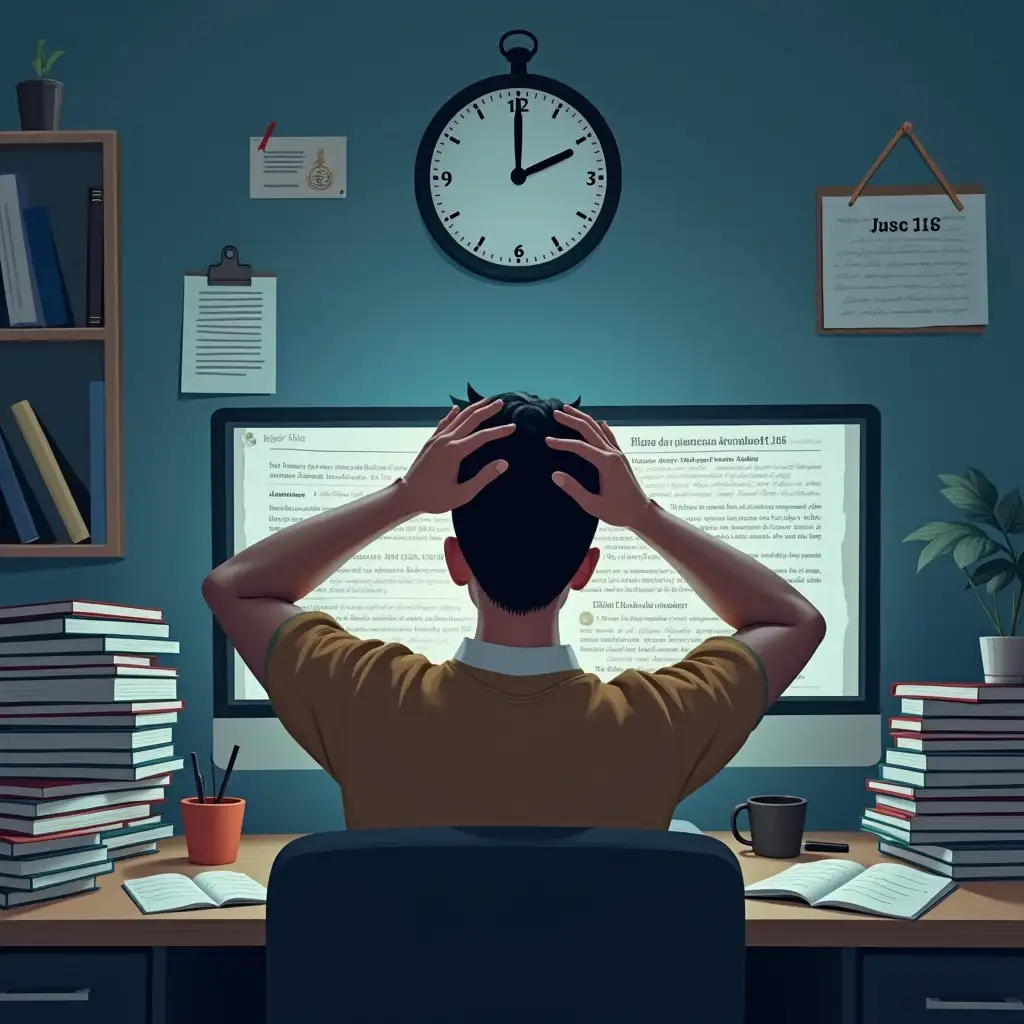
x=591, y=177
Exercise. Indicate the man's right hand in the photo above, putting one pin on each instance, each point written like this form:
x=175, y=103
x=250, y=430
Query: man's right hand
x=620, y=500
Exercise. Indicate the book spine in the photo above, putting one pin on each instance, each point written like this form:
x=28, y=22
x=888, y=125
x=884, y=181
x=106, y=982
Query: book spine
x=97, y=462
x=14, y=497
x=20, y=292
x=52, y=476
x=53, y=293
x=94, y=260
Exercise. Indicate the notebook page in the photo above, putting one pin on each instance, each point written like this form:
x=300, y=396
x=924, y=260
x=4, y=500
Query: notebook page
x=159, y=894
x=222, y=886
x=810, y=881
x=890, y=890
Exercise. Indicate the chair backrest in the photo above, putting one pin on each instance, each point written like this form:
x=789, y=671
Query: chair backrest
x=505, y=924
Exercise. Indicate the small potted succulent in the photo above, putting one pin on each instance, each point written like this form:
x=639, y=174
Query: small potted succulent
x=39, y=98
x=982, y=546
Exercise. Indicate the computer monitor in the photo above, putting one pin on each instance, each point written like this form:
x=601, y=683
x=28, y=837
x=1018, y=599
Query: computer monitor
x=795, y=486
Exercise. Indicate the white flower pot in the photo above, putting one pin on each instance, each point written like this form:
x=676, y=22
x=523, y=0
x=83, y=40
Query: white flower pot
x=1002, y=660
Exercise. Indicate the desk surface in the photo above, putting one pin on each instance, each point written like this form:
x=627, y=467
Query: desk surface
x=982, y=914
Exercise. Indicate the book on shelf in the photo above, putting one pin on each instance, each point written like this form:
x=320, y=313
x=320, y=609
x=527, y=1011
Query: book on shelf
x=12, y=494
x=915, y=822
x=962, y=743
x=129, y=839
x=20, y=847
x=942, y=792
x=21, y=297
x=56, y=823
x=90, y=645
x=1004, y=726
x=991, y=708
x=45, y=863
x=131, y=714
x=54, y=789
x=884, y=890
x=55, y=480
x=928, y=806
x=54, y=303
x=46, y=807
x=168, y=893
x=94, y=260
x=976, y=762
x=916, y=777
x=98, y=461
x=75, y=759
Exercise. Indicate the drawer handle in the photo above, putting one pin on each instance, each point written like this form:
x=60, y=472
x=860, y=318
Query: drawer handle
x=1009, y=1003
x=52, y=995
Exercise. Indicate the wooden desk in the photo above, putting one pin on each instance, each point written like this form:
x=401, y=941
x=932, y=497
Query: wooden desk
x=978, y=915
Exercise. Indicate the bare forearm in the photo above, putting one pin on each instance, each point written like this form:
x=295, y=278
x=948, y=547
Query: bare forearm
x=737, y=588
x=291, y=563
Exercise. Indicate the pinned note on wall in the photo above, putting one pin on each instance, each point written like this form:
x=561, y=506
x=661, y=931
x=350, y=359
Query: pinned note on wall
x=297, y=167
x=902, y=259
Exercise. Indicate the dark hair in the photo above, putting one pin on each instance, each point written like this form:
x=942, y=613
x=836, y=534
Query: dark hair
x=524, y=538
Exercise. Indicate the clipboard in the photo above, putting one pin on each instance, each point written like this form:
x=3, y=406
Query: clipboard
x=229, y=329
x=952, y=205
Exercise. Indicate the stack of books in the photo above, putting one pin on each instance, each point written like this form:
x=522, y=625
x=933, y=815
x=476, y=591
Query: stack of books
x=86, y=751
x=950, y=797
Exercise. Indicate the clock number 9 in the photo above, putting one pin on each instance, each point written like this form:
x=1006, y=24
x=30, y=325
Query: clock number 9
x=446, y=177
x=591, y=177
x=518, y=252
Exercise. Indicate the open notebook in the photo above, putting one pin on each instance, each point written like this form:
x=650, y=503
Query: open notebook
x=888, y=890
x=164, y=894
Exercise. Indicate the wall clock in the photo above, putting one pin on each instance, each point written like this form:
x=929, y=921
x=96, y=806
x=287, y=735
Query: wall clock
x=517, y=176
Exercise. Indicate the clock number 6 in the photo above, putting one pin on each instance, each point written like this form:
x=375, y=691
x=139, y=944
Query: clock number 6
x=591, y=177
x=446, y=177
x=518, y=252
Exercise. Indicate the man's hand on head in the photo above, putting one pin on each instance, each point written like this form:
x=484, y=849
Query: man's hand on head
x=432, y=481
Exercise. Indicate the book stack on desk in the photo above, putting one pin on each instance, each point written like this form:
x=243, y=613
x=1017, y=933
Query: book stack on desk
x=86, y=748
x=950, y=796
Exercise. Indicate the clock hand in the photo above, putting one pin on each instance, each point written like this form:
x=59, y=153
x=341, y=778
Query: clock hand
x=543, y=165
x=517, y=142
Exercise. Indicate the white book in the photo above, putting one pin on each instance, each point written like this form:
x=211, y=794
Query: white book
x=83, y=627
x=75, y=607
x=168, y=893
x=19, y=283
x=886, y=890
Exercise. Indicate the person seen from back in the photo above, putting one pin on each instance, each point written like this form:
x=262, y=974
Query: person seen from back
x=510, y=730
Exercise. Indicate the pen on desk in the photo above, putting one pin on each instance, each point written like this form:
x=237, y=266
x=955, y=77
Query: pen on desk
x=826, y=847
x=200, y=794
x=227, y=773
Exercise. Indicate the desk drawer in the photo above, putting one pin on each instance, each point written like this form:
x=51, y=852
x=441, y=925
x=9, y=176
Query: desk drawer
x=943, y=988
x=74, y=988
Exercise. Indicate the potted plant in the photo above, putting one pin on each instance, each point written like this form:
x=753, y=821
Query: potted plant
x=982, y=546
x=39, y=98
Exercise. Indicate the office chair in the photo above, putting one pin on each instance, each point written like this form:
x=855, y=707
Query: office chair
x=495, y=925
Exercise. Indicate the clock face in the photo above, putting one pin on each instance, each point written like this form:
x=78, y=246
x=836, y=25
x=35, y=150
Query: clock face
x=526, y=219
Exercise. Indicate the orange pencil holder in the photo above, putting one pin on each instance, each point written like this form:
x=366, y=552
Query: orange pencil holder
x=213, y=829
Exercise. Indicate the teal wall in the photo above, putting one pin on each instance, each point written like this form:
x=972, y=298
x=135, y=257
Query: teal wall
x=728, y=116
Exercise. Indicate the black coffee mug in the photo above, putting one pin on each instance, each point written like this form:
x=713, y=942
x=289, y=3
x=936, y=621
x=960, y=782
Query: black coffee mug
x=776, y=825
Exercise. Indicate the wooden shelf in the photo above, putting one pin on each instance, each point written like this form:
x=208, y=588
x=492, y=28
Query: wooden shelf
x=58, y=551
x=96, y=155
x=31, y=334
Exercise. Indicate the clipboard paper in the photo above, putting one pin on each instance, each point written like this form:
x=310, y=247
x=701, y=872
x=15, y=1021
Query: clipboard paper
x=886, y=267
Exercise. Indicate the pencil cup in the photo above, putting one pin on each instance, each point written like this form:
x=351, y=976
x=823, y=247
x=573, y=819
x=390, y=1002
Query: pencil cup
x=213, y=829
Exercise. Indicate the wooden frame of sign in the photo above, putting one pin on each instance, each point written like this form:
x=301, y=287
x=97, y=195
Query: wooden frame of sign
x=887, y=190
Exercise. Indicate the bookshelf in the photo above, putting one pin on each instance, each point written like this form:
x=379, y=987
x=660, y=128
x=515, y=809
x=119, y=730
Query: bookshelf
x=52, y=367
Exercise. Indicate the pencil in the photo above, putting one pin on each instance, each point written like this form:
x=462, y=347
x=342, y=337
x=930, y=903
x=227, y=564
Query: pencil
x=200, y=794
x=227, y=773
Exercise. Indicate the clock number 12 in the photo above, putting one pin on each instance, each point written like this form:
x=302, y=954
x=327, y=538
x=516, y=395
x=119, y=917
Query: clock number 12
x=520, y=103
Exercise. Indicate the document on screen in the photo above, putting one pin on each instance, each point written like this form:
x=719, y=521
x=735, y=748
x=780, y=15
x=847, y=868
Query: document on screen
x=785, y=495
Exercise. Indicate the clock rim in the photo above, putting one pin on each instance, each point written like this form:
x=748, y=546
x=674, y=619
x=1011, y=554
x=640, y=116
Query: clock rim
x=498, y=271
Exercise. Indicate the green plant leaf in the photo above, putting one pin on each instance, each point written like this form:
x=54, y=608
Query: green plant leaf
x=945, y=542
x=1010, y=512
x=985, y=489
x=932, y=530
x=969, y=550
x=967, y=500
x=996, y=574
x=52, y=59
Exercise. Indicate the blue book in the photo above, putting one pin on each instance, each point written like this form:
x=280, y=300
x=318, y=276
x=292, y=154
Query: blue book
x=16, y=266
x=97, y=462
x=14, y=497
x=53, y=292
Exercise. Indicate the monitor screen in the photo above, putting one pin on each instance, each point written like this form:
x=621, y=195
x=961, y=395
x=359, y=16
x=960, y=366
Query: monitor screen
x=793, y=491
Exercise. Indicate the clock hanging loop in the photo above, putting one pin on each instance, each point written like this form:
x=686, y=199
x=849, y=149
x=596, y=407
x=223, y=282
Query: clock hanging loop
x=518, y=56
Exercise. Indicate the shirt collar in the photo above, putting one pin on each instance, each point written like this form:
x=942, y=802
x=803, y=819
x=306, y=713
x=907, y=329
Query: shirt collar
x=516, y=661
